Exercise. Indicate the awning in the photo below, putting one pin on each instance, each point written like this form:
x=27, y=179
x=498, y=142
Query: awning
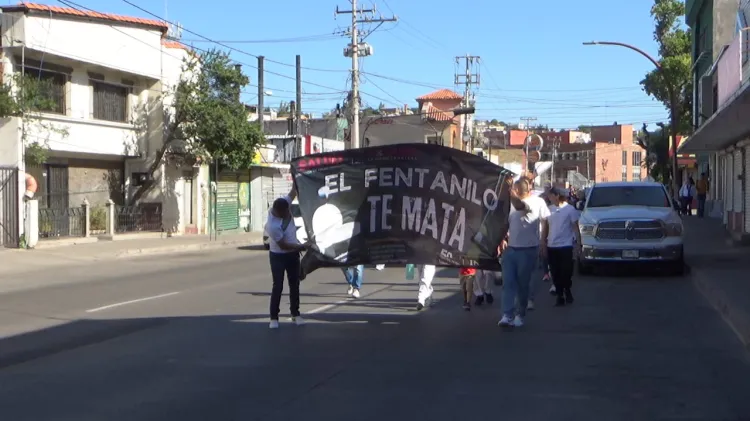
x=730, y=124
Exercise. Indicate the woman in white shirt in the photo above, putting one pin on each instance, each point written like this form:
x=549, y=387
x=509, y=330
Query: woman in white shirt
x=559, y=238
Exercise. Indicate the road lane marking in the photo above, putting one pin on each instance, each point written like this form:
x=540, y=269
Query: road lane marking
x=348, y=300
x=94, y=310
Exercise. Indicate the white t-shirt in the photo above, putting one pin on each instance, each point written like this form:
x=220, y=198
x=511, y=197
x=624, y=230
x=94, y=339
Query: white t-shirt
x=561, y=225
x=525, y=227
x=276, y=231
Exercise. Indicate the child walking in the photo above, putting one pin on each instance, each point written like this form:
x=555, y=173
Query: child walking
x=466, y=276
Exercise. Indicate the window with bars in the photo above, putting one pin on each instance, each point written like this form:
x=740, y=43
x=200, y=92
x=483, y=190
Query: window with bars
x=637, y=166
x=51, y=88
x=110, y=102
x=624, y=166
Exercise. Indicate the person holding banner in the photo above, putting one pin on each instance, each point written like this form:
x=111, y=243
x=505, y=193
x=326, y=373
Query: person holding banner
x=527, y=217
x=284, y=256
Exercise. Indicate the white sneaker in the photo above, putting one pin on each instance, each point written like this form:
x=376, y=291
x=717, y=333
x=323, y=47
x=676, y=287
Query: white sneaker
x=274, y=324
x=518, y=321
x=505, y=321
x=355, y=293
x=530, y=305
x=350, y=291
x=552, y=290
x=379, y=267
x=299, y=321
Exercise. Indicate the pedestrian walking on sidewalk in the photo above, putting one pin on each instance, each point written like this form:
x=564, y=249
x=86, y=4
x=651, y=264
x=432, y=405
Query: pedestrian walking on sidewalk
x=560, y=236
x=701, y=188
x=284, y=256
x=354, y=276
x=521, y=254
x=426, y=274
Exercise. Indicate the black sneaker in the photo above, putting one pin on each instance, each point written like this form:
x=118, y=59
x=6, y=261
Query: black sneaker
x=467, y=307
x=490, y=298
x=420, y=306
x=569, y=296
x=560, y=302
x=479, y=300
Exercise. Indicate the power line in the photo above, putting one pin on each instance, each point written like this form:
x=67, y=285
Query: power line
x=359, y=16
x=224, y=44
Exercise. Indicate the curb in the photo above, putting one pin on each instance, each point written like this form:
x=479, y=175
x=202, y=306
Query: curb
x=151, y=251
x=738, y=319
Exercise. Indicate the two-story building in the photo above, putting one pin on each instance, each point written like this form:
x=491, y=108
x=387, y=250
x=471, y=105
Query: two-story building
x=109, y=77
x=721, y=57
x=434, y=123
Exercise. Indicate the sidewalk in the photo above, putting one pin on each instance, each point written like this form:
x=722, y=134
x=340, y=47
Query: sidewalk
x=720, y=272
x=18, y=260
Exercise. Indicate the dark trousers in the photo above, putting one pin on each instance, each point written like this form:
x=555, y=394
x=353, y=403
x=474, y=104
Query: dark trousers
x=284, y=263
x=561, y=267
x=701, y=205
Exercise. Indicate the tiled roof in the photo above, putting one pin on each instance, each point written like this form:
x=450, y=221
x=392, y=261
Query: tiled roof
x=25, y=7
x=174, y=44
x=440, y=94
x=429, y=112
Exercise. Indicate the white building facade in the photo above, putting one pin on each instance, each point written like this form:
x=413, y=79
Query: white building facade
x=109, y=77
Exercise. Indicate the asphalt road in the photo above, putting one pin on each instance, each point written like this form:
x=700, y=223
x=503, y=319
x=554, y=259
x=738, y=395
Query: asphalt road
x=186, y=338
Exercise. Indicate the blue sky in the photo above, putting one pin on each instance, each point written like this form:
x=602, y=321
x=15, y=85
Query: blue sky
x=533, y=63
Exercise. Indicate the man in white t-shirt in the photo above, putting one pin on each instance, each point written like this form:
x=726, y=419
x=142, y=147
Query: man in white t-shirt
x=284, y=251
x=527, y=217
x=559, y=240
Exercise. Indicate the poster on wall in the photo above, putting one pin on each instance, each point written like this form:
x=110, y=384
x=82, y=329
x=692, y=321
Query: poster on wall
x=399, y=204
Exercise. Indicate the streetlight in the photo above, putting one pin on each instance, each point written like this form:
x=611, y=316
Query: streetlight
x=672, y=101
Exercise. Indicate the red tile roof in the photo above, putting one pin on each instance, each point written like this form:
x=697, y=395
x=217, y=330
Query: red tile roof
x=26, y=7
x=441, y=94
x=429, y=112
x=174, y=44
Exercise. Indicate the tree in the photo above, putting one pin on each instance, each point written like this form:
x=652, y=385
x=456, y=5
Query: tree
x=676, y=63
x=27, y=97
x=207, y=121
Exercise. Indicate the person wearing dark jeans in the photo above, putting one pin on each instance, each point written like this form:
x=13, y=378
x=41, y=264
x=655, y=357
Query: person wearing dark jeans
x=559, y=238
x=284, y=251
x=701, y=188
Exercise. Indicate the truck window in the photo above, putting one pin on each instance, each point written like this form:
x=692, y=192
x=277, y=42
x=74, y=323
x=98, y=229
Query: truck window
x=605, y=196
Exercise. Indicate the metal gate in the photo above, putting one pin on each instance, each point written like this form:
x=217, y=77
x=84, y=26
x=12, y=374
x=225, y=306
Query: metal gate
x=54, y=219
x=9, y=207
x=227, y=203
x=275, y=183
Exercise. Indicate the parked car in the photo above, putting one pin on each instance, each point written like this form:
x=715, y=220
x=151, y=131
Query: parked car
x=630, y=222
x=298, y=222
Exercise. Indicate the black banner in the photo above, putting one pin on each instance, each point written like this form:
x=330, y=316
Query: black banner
x=399, y=204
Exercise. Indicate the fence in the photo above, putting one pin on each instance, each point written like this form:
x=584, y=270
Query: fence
x=62, y=223
x=9, y=217
x=145, y=217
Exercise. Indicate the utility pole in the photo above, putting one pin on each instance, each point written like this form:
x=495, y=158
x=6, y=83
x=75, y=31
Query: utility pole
x=469, y=78
x=354, y=50
x=527, y=120
x=261, y=94
x=555, y=146
x=298, y=115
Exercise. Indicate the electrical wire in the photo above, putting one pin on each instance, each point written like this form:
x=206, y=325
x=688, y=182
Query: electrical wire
x=237, y=50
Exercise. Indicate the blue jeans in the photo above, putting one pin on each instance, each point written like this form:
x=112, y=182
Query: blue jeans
x=518, y=267
x=354, y=275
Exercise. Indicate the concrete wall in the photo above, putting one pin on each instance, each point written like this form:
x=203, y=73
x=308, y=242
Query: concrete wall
x=129, y=48
x=11, y=153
